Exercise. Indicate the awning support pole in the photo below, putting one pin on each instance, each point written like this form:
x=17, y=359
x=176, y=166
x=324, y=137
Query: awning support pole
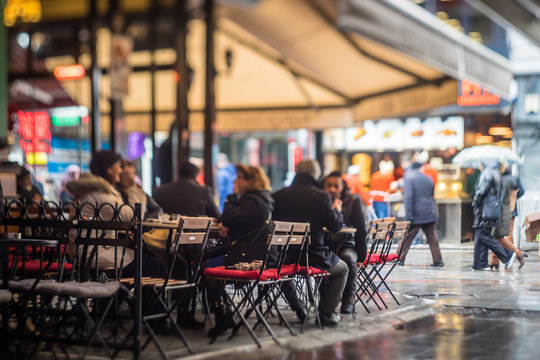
x=95, y=77
x=181, y=151
x=3, y=78
x=210, y=105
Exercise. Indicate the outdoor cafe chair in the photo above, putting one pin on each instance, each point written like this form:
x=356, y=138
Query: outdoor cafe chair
x=398, y=233
x=298, y=234
x=253, y=286
x=191, y=232
x=368, y=269
x=72, y=312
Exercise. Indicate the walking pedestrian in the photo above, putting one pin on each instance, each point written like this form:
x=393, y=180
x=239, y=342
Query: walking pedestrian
x=487, y=193
x=420, y=211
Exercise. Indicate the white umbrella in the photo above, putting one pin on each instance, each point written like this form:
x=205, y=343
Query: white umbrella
x=473, y=156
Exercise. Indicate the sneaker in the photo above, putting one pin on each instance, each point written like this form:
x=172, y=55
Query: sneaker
x=509, y=263
x=437, y=264
x=487, y=268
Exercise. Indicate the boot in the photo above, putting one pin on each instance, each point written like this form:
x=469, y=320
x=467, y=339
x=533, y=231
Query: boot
x=224, y=321
x=347, y=304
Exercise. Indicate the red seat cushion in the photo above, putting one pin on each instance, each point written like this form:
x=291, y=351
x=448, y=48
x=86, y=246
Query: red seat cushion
x=372, y=259
x=287, y=270
x=312, y=271
x=35, y=266
x=392, y=257
x=221, y=271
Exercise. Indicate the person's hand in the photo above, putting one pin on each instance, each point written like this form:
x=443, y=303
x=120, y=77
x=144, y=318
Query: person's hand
x=223, y=230
x=337, y=204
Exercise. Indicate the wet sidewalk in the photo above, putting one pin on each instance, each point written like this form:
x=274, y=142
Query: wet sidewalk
x=445, y=313
x=448, y=313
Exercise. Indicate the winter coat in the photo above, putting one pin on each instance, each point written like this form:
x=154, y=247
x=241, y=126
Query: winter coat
x=353, y=216
x=97, y=191
x=418, y=191
x=248, y=218
x=186, y=197
x=509, y=184
x=305, y=201
x=488, y=183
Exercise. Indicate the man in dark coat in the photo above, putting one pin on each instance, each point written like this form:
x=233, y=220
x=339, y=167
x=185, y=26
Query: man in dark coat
x=186, y=196
x=351, y=248
x=420, y=211
x=489, y=184
x=305, y=201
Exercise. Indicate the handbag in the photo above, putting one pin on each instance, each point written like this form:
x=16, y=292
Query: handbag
x=492, y=206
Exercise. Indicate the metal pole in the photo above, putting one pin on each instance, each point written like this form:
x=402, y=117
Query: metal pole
x=181, y=90
x=153, y=35
x=116, y=25
x=95, y=77
x=3, y=77
x=210, y=104
x=318, y=149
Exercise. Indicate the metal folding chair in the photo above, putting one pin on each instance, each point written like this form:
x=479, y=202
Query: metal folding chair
x=253, y=286
x=193, y=232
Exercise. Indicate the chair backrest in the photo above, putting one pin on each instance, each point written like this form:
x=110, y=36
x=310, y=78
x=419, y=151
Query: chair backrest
x=402, y=225
x=286, y=234
x=190, y=231
x=390, y=219
x=103, y=227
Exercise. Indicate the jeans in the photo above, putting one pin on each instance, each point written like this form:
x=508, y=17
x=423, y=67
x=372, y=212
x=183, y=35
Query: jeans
x=381, y=209
x=484, y=241
x=332, y=288
x=349, y=256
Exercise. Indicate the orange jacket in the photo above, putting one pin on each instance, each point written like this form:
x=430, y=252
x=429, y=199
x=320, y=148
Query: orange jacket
x=356, y=187
x=379, y=185
x=431, y=172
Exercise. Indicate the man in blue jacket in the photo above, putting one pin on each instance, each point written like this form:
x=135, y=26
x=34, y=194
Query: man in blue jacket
x=420, y=211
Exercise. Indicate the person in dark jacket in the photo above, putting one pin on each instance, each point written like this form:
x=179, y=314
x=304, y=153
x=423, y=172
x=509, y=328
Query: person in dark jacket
x=489, y=184
x=305, y=201
x=246, y=222
x=186, y=196
x=350, y=248
x=503, y=229
x=420, y=211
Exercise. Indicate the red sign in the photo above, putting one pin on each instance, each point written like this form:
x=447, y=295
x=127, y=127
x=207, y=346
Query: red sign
x=35, y=131
x=69, y=72
x=474, y=95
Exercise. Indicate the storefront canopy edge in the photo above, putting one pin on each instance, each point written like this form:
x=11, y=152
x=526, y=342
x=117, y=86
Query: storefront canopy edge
x=404, y=26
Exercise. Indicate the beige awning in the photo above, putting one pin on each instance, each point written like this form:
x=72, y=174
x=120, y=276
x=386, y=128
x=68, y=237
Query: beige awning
x=293, y=67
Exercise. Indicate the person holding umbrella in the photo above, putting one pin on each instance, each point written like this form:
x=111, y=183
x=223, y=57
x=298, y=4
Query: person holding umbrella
x=486, y=200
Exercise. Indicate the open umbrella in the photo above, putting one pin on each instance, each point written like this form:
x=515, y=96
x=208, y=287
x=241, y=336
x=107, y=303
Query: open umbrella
x=473, y=156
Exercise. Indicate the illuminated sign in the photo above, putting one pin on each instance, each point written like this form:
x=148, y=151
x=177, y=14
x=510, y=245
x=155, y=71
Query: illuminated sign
x=472, y=94
x=23, y=10
x=69, y=72
x=35, y=131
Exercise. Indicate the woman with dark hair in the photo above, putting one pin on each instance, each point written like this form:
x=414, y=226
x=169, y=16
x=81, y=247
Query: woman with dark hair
x=97, y=188
x=246, y=222
x=350, y=248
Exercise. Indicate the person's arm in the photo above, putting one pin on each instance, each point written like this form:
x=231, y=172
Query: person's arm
x=152, y=207
x=408, y=201
x=481, y=189
x=358, y=222
x=332, y=218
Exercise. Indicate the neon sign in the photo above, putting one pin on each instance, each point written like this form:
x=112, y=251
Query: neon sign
x=472, y=94
x=35, y=131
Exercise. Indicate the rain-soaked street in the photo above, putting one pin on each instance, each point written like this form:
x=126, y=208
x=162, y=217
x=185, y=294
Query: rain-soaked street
x=445, y=313
x=449, y=313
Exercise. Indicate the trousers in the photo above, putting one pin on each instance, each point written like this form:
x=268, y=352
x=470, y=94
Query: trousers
x=484, y=241
x=430, y=230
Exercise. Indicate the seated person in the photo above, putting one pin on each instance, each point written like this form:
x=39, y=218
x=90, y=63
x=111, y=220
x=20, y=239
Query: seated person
x=350, y=248
x=26, y=190
x=245, y=221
